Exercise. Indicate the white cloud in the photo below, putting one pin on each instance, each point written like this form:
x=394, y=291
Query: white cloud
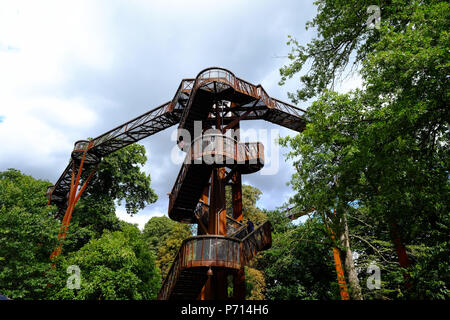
x=140, y=219
x=41, y=123
x=50, y=32
x=72, y=70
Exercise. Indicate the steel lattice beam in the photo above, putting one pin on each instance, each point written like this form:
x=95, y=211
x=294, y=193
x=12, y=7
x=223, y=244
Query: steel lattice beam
x=252, y=100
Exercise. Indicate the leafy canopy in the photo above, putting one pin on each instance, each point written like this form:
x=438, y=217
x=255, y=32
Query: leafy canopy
x=382, y=149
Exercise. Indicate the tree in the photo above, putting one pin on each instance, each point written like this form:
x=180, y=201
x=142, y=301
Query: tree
x=346, y=35
x=95, y=227
x=255, y=284
x=250, y=195
x=28, y=229
x=119, y=177
x=373, y=248
x=299, y=265
x=117, y=266
x=325, y=162
x=27, y=235
x=165, y=237
x=383, y=148
x=157, y=230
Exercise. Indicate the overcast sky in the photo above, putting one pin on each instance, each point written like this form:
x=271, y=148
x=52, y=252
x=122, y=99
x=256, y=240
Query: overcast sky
x=72, y=70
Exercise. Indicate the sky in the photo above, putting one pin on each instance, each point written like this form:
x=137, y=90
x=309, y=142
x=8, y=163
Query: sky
x=76, y=69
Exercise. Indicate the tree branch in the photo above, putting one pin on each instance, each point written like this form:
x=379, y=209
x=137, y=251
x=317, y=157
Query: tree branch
x=370, y=245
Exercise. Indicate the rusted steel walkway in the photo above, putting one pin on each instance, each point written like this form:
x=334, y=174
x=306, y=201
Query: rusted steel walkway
x=255, y=104
x=223, y=246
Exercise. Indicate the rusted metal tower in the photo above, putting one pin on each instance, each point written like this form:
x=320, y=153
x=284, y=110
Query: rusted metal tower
x=217, y=101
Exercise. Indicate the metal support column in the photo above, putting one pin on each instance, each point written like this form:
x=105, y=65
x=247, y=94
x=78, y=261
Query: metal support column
x=74, y=196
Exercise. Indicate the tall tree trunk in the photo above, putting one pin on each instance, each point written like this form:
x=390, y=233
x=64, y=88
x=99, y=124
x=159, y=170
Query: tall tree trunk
x=349, y=265
x=340, y=275
x=403, y=259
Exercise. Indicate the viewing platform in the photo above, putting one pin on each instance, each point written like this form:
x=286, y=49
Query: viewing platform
x=197, y=255
x=206, y=152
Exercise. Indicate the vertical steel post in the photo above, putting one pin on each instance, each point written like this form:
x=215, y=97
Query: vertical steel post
x=402, y=256
x=216, y=286
x=74, y=196
x=340, y=275
x=343, y=289
x=236, y=189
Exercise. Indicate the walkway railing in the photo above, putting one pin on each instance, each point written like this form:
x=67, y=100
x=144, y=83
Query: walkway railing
x=218, y=150
x=171, y=113
x=202, y=251
x=227, y=79
x=216, y=251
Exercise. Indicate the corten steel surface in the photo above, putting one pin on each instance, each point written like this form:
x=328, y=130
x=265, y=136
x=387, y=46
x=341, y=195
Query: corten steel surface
x=197, y=254
x=219, y=99
x=247, y=99
x=216, y=84
x=235, y=228
x=80, y=159
x=218, y=149
x=207, y=152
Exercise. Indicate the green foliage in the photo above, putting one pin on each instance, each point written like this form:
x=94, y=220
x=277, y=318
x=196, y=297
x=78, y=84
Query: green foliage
x=382, y=150
x=165, y=237
x=130, y=271
x=250, y=195
x=430, y=273
x=118, y=178
x=279, y=220
x=157, y=230
x=372, y=244
x=299, y=266
x=343, y=38
x=27, y=235
x=255, y=284
x=117, y=266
